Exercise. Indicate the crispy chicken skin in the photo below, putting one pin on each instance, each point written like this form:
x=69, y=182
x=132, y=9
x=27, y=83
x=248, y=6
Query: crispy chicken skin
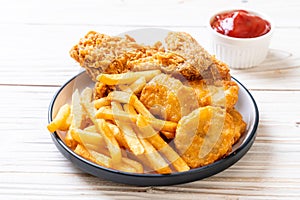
x=223, y=94
x=239, y=124
x=167, y=98
x=205, y=135
x=197, y=58
x=199, y=64
x=100, y=53
x=97, y=52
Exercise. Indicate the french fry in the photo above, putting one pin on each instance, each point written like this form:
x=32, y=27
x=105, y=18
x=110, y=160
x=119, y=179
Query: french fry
x=85, y=101
x=118, y=135
x=88, y=137
x=77, y=117
x=124, y=88
x=111, y=142
x=168, y=135
x=130, y=110
x=69, y=140
x=161, y=125
x=151, y=157
x=99, y=149
x=129, y=135
x=124, y=167
x=61, y=120
x=137, y=86
x=139, y=106
x=121, y=96
x=168, y=128
x=135, y=164
x=154, y=159
x=105, y=113
x=131, y=99
x=76, y=110
x=101, y=159
x=82, y=151
x=151, y=135
x=90, y=128
x=104, y=101
x=126, y=78
x=101, y=126
x=93, y=156
x=126, y=164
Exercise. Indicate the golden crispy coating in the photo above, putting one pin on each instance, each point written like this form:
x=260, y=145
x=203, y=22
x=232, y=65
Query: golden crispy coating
x=218, y=70
x=239, y=124
x=204, y=136
x=100, y=53
x=223, y=94
x=101, y=90
x=198, y=59
x=167, y=98
x=97, y=52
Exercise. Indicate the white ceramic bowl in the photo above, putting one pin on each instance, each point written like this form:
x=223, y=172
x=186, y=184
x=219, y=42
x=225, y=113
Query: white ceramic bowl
x=240, y=53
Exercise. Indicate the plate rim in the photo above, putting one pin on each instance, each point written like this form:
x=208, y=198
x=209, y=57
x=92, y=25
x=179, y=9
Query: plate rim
x=154, y=179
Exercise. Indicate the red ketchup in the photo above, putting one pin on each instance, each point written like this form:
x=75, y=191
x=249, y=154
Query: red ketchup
x=240, y=24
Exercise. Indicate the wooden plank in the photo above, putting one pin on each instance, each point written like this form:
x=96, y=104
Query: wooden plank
x=32, y=166
x=35, y=39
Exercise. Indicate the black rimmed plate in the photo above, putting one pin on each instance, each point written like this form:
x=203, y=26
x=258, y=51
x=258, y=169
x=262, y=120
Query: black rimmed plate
x=246, y=106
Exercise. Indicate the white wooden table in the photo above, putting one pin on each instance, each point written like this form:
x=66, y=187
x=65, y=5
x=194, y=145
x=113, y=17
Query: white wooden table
x=35, y=37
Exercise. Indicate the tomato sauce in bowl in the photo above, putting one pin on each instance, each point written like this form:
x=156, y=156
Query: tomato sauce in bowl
x=240, y=24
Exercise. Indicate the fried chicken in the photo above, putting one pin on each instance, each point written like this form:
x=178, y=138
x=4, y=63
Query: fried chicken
x=223, y=93
x=239, y=124
x=97, y=52
x=167, y=98
x=199, y=64
x=205, y=135
x=100, y=53
x=197, y=58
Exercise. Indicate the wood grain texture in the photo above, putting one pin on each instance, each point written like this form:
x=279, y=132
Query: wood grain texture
x=34, y=62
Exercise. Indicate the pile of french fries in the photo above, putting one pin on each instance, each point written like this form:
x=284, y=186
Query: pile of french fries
x=117, y=131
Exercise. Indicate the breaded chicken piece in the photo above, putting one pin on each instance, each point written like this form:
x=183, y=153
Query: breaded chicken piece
x=97, y=52
x=100, y=53
x=239, y=125
x=199, y=64
x=204, y=136
x=218, y=70
x=223, y=93
x=167, y=98
x=198, y=59
x=164, y=96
